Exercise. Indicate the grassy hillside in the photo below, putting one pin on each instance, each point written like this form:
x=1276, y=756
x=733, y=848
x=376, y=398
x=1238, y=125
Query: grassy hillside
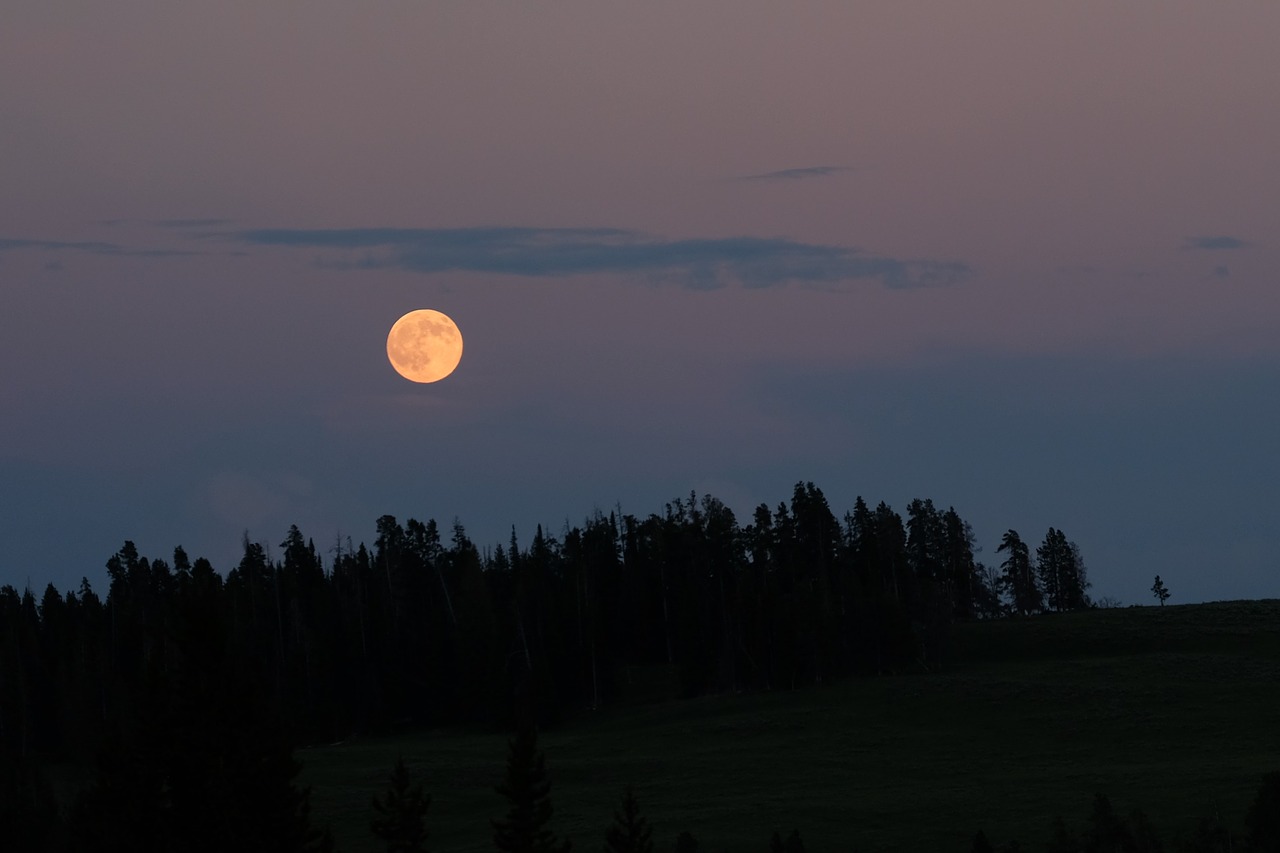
x=1174, y=710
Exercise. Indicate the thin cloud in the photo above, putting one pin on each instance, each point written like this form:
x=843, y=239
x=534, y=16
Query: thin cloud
x=1213, y=243
x=91, y=247
x=191, y=223
x=702, y=264
x=796, y=174
x=166, y=223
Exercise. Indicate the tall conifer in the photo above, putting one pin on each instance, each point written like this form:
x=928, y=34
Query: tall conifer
x=630, y=832
x=1017, y=577
x=399, y=816
x=528, y=791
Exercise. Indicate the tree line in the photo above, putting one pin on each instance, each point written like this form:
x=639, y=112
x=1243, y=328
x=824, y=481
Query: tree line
x=187, y=689
x=419, y=629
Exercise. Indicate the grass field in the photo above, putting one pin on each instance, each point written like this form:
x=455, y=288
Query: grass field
x=1175, y=710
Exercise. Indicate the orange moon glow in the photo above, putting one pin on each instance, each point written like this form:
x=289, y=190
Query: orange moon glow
x=424, y=346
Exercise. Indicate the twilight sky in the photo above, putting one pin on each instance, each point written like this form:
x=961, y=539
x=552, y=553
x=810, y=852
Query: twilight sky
x=1019, y=258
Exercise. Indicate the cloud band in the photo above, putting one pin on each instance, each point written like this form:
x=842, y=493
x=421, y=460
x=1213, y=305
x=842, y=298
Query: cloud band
x=705, y=264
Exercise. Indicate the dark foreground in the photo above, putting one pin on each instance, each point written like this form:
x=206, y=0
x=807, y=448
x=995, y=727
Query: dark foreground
x=1171, y=710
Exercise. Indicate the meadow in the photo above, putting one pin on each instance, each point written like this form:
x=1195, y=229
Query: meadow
x=1174, y=710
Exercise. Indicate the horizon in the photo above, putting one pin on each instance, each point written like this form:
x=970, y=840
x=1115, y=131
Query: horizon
x=329, y=554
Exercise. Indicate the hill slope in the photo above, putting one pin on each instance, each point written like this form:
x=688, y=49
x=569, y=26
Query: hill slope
x=1173, y=710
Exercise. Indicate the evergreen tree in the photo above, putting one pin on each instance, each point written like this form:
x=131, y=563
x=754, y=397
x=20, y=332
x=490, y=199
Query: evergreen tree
x=1052, y=559
x=399, y=816
x=926, y=541
x=1077, y=581
x=1107, y=832
x=686, y=843
x=960, y=569
x=1160, y=590
x=1017, y=577
x=1061, y=572
x=793, y=844
x=630, y=832
x=891, y=553
x=528, y=793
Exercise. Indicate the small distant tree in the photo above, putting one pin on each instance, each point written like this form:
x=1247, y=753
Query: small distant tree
x=630, y=832
x=399, y=816
x=793, y=843
x=981, y=844
x=528, y=791
x=686, y=843
x=1160, y=591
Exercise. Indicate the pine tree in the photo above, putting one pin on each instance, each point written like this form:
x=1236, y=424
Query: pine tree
x=630, y=832
x=1106, y=831
x=527, y=789
x=960, y=570
x=1061, y=572
x=1053, y=559
x=1077, y=581
x=686, y=843
x=926, y=541
x=793, y=843
x=1160, y=591
x=1017, y=577
x=399, y=817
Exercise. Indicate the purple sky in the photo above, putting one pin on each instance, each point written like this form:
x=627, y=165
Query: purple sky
x=1019, y=258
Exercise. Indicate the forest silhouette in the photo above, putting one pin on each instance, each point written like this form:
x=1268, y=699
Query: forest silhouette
x=188, y=690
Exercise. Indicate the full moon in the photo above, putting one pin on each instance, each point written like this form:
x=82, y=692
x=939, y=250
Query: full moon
x=424, y=346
